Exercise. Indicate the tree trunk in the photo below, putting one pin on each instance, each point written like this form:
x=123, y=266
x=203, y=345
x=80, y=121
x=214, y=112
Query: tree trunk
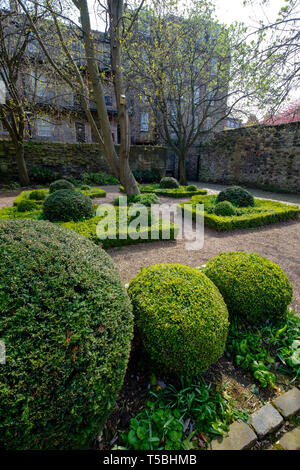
x=22, y=170
x=127, y=179
x=182, y=169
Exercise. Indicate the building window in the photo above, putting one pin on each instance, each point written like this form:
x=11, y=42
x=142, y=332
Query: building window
x=213, y=66
x=80, y=132
x=211, y=96
x=145, y=122
x=108, y=100
x=44, y=128
x=2, y=88
x=208, y=123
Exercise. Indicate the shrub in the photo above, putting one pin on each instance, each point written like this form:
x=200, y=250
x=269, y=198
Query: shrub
x=43, y=175
x=192, y=187
x=37, y=195
x=225, y=208
x=67, y=325
x=237, y=196
x=147, y=176
x=60, y=184
x=67, y=204
x=180, y=316
x=144, y=199
x=85, y=187
x=26, y=205
x=100, y=178
x=254, y=288
x=169, y=183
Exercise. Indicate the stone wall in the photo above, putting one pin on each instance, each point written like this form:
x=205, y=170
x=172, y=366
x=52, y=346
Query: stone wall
x=74, y=159
x=266, y=157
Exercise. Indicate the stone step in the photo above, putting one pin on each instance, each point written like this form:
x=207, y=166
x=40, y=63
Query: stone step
x=291, y=440
x=240, y=437
x=288, y=404
x=266, y=420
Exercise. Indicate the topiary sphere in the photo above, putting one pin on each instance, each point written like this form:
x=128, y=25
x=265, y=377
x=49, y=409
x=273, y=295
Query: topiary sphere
x=26, y=205
x=181, y=317
x=192, y=187
x=85, y=187
x=237, y=196
x=254, y=288
x=66, y=204
x=225, y=208
x=67, y=324
x=60, y=184
x=169, y=183
x=37, y=195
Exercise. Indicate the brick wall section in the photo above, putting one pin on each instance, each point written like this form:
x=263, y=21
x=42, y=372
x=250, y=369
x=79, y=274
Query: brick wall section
x=75, y=159
x=266, y=157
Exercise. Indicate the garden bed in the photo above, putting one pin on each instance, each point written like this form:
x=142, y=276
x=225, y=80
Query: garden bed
x=264, y=212
x=87, y=228
x=180, y=192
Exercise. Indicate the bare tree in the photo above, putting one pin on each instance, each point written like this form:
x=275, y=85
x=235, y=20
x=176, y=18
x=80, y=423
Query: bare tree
x=93, y=87
x=193, y=72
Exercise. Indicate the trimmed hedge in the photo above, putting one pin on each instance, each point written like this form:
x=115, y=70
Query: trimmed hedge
x=146, y=199
x=38, y=194
x=181, y=317
x=66, y=204
x=67, y=325
x=180, y=192
x=264, y=212
x=238, y=196
x=169, y=183
x=192, y=187
x=60, y=184
x=88, y=228
x=254, y=288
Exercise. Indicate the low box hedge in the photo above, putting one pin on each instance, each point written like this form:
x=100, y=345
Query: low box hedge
x=182, y=191
x=87, y=228
x=34, y=195
x=264, y=212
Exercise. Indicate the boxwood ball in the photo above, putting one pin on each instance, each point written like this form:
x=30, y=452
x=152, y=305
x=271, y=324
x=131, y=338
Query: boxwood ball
x=181, y=317
x=67, y=324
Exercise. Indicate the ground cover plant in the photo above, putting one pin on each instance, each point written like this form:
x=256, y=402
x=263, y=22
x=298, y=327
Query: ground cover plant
x=263, y=212
x=175, y=306
x=67, y=325
x=266, y=350
x=177, y=414
x=178, y=192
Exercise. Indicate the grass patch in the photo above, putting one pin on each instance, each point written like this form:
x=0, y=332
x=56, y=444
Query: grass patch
x=182, y=191
x=264, y=212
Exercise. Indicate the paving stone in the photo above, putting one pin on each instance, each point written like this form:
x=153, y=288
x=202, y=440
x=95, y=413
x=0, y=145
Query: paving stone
x=266, y=420
x=240, y=437
x=291, y=440
x=288, y=404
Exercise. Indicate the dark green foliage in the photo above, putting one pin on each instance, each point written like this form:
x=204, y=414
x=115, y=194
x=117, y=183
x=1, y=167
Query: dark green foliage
x=67, y=204
x=169, y=183
x=161, y=425
x=26, y=205
x=147, y=176
x=225, y=208
x=263, y=351
x=42, y=175
x=99, y=178
x=239, y=197
x=180, y=316
x=37, y=195
x=85, y=187
x=192, y=187
x=67, y=325
x=254, y=288
x=60, y=184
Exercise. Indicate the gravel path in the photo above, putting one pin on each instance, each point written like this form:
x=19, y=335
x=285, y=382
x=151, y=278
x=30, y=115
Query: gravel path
x=279, y=242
